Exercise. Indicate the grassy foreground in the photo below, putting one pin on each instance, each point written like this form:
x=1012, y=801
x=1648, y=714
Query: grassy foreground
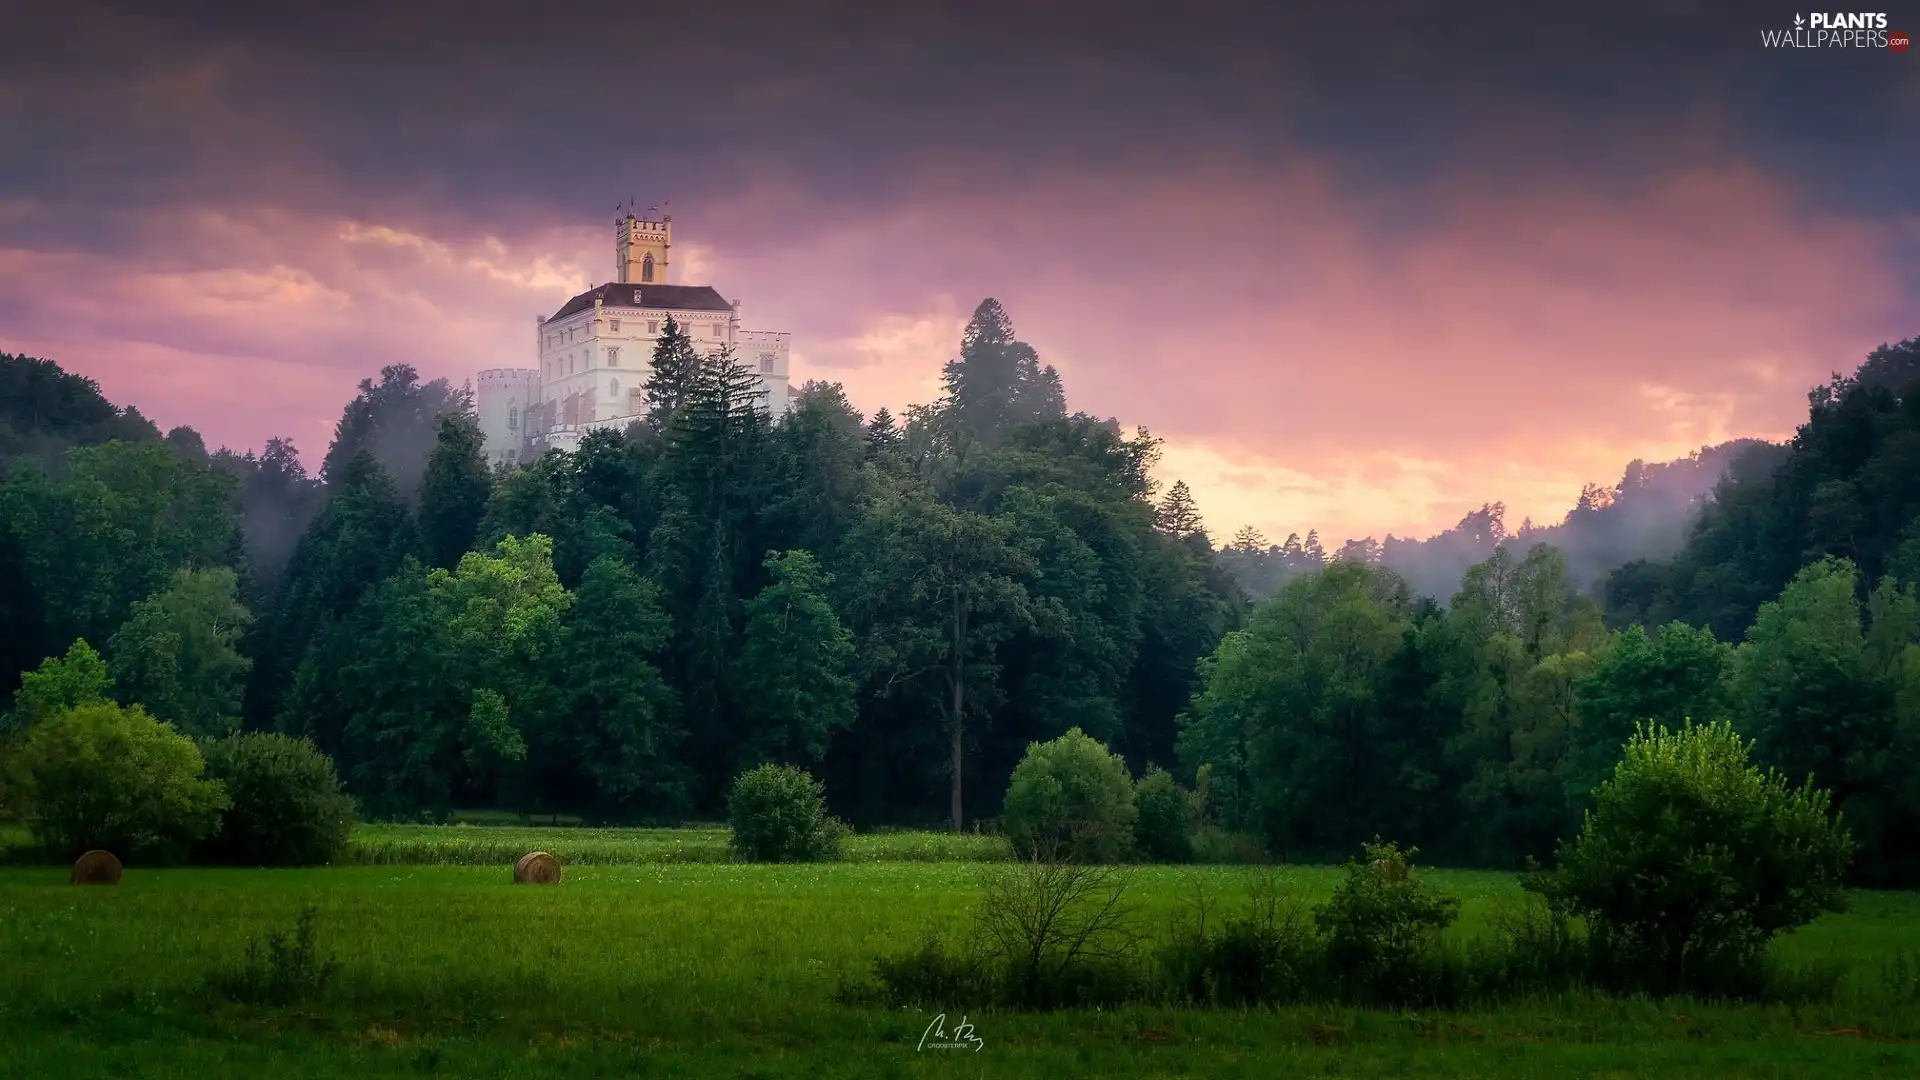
x=692, y=968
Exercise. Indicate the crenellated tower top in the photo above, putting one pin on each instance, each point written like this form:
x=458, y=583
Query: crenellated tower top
x=641, y=248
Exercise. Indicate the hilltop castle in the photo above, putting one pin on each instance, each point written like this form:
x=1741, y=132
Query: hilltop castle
x=594, y=354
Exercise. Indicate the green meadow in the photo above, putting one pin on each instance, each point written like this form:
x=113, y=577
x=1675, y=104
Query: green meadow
x=655, y=957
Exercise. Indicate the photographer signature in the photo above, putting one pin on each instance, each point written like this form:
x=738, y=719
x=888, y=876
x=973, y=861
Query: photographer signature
x=961, y=1038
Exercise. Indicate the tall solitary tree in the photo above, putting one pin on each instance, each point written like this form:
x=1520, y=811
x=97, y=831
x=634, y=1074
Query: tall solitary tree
x=948, y=588
x=997, y=381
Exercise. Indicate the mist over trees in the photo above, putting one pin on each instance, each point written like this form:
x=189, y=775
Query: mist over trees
x=1645, y=516
x=903, y=605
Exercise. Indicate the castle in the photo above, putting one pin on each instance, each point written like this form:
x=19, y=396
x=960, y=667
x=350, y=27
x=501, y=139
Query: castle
x=595, y=353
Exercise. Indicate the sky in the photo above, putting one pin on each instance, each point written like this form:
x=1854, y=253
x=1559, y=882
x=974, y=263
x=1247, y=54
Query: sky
x=1363, y=267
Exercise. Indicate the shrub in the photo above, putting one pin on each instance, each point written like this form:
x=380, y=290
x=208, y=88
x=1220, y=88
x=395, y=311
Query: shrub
x=1264, y=954
x=1692, y=859
x=1164, y=829
x=1070, y=798
x=1052, y=934
x=280, y=967
x=1045, y=934
x=287, y=808
x=934, y=973
x=1216, y=846
x=104, y=776
x=1381, y=930
x=779, y=814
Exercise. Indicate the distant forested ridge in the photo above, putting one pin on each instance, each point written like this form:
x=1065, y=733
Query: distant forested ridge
x=1847, y=486
x=1644, y=516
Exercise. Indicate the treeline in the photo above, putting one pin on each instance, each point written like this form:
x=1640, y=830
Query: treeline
x=1350, y=707
x=900, y=605
x=1646, y=515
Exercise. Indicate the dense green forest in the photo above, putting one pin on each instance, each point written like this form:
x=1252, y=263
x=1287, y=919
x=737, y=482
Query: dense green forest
x=901, y=605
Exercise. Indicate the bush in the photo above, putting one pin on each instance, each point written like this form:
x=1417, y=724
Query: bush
x=779, y=814
x=104, y=776
x=1045, y=935
x=1692, y=859
x=1070, y=798
x=1381, y=930
x=281, y=967
x=287, y=808
x=1264, y=954
x=1216, y=846
x=1164, y=829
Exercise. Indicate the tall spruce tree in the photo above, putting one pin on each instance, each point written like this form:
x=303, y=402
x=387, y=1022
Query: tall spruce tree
x=996, y=382
x=1178, y=515
x=676, y=366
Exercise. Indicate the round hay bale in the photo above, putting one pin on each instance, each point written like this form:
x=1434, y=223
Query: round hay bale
x=96, y=868
x=536, y=868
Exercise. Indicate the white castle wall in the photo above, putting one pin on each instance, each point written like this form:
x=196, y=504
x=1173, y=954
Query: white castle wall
x=766, y=353
x=508, y=402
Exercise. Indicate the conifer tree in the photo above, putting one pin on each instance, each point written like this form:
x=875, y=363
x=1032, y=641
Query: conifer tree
x=1178, y=515
x=675, y=367
x=883, y=435
x=1249, y=540
x=996, y=382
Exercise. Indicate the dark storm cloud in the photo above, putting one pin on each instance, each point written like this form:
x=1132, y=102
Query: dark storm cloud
x=558, y=104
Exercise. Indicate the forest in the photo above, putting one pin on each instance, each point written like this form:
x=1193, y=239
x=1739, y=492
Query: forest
x=901, y=605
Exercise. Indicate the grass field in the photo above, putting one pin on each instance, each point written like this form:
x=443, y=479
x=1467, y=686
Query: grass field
x=493, y=845
x=654, y=959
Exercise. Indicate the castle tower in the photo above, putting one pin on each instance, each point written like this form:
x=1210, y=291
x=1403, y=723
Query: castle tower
x=640, y=250
x=508, y=401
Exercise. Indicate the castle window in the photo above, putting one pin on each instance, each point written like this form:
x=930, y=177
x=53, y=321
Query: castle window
x=653, y=326
x=716, y=329
x=646, y=268
x=513, y=418
x=613, y=357
x=613, y=388
x=636, y=402
x=636, y=298
x=766, y=363
x=613, y=325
